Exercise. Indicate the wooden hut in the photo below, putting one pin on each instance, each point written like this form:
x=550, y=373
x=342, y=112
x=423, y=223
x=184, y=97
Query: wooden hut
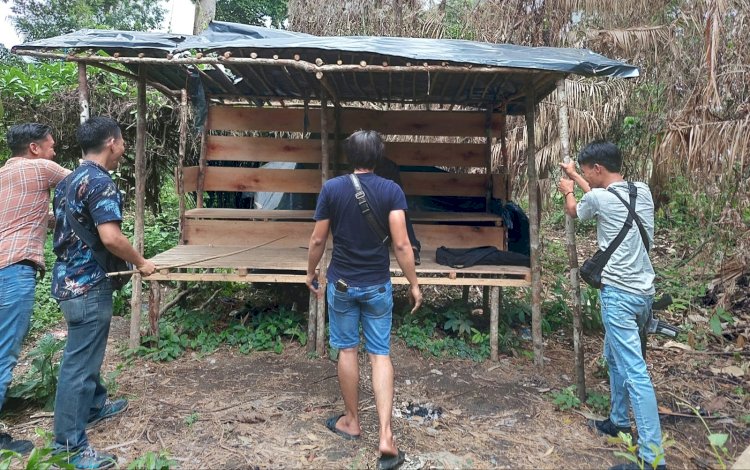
x=277, y=96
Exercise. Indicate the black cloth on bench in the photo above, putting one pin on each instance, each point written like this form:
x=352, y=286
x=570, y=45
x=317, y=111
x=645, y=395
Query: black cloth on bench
x=485, y=255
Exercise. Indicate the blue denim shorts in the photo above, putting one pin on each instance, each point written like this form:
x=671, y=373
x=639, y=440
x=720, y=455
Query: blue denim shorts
x=372, y=306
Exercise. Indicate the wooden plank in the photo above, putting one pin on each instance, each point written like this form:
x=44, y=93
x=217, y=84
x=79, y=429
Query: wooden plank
x=400, y=122
x=443, y=184
x=246, y=232
x=257, y=214
x=266, y=149
x=499, y=187
x=254, y=179
x=262, y=149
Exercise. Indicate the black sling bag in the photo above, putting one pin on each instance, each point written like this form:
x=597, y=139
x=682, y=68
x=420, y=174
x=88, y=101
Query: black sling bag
x=364, y=206
x=592, y=268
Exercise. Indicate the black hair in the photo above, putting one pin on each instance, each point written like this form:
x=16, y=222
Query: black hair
x=601, y=152
x=93, y=134
x=20, y=136
x=365, y=149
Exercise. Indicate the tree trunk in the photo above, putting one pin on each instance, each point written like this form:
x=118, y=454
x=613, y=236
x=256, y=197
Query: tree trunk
x=205, y=12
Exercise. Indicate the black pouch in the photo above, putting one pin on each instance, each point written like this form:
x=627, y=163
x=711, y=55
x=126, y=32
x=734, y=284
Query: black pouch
x=591, y=270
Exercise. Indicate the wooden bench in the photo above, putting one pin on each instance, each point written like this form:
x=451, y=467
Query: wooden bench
x=249, y=245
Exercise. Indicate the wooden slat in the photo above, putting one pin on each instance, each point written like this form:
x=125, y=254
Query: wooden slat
x=261, y=149
x=443, y=184
x=256, y=214
x=254, y=179
x=247, y=232
x=459, y=236
x=442, y=123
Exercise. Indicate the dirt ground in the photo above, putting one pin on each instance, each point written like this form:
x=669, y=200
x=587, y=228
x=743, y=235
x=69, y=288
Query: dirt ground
x=267, y=410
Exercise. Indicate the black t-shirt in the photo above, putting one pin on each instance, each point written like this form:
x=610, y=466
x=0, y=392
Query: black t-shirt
x=358, y=256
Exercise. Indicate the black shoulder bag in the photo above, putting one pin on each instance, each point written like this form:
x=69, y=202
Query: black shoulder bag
x=592, y=268
x=106, y=260
x=364, y=206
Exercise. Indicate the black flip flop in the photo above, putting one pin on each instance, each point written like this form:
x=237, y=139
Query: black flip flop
x=390, y=462
x=331, y=425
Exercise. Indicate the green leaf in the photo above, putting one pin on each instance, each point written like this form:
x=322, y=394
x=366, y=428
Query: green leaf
x=715, y=324
x=718, y=439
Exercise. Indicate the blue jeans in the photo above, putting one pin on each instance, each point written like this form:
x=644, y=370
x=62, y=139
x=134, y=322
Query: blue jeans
x=372, y=306
x=16, y=304
x=80, y=393
x=629, y=382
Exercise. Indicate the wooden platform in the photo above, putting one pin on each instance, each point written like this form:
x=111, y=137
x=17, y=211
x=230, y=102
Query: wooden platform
x=279, y=262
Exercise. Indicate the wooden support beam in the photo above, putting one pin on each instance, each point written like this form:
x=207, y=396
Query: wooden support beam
x=570, y=243
x=201, y=167
x=536, y=269
x=324, y=175
x=154, y=308
x=140, y=205
x=494, y=320
x=312, y=323
x=180, y=177
x=84, y=97
x=488, y=156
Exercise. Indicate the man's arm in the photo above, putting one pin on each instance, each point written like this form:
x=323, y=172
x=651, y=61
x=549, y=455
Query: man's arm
x=404, y=254
x=315, y=251
x=119, y=245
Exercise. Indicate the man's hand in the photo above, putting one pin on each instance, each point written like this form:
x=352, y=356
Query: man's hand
x=415, y=297
x=312, y=283
x=565, y=186
x=569, y=168
x=146, y=268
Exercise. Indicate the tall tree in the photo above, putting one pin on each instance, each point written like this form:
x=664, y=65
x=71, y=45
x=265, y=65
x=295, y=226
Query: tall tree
x=255, y=12
x=37, y=19
x=205, y=12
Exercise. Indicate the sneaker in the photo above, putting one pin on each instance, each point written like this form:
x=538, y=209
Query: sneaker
x=607, y=428
x=110, y=408
x=637, y=466
x=20, y=446
x=89, y=459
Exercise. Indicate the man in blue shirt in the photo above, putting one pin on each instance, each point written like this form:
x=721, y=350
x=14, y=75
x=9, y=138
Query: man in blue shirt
x=358, y=283
x=84, y=291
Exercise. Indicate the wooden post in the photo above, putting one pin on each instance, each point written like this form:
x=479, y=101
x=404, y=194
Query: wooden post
x=140, y=204
x=536, y=268
x=154, y=305
x=494, y=320
x=179, y=177
x=570, y=243
x=84, y=98
x=324, y=170
x=488, y=156
x=201, y=167
x=312, y=320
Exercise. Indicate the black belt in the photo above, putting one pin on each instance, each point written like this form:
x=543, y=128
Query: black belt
x=29, y=263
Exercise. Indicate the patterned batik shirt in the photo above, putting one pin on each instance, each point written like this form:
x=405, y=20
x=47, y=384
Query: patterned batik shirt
x=95, y=200
x=24, y=207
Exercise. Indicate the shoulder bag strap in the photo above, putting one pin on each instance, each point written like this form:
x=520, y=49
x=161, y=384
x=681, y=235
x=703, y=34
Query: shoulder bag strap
x=633, y=191
x=93, y=241
x=364, y=206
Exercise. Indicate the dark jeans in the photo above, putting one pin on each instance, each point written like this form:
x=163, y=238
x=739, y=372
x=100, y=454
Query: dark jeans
x=80, y=393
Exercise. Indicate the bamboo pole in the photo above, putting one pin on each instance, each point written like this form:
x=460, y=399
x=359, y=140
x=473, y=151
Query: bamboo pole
x=570, y=243
x=324, y=170
x=536, y=268
x=300, y=64
x=140, y=203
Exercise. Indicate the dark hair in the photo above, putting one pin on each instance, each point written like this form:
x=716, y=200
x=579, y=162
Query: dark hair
x=93, y=134
x=20, y=136
x=365, y=149
x=603, y=153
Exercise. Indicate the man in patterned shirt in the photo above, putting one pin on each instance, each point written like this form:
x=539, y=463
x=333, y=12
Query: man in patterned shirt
x=84, y=291
x=25, y=182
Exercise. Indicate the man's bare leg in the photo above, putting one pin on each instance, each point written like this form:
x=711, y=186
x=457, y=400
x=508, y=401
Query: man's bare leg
x=348, y=372
x=382, y=385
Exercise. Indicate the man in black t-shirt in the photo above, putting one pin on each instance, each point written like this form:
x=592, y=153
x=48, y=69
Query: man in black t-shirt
x=358, y=285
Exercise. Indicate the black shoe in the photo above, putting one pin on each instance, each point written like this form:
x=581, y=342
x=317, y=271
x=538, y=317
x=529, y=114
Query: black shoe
x=635, y=466
x=417, y=259
x=21, y=446
x=607, y=428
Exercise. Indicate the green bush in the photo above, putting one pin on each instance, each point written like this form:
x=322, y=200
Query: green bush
x=39, y=384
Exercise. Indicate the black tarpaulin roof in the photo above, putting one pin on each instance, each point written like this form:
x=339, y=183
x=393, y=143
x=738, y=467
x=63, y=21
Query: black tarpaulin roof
x=379, y=69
